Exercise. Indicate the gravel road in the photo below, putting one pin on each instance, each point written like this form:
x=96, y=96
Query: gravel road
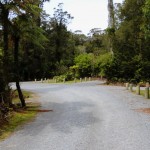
x=85, y=116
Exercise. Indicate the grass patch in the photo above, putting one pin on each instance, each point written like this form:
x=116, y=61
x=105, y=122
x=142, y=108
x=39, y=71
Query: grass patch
x=67, y=82
x=19, y=117
x=142, y=92
x=26, y=94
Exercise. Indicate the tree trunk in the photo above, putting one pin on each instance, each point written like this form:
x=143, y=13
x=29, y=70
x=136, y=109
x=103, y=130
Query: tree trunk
x=16, y=50
x=20, y=94
x=4, y=20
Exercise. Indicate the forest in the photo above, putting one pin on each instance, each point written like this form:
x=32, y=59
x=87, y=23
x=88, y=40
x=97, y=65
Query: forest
x=34, y=44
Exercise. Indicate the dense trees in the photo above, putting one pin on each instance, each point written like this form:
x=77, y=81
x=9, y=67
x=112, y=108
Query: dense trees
x=36, y=45
x=60, y=50
x=131, y=50
x=17, y=20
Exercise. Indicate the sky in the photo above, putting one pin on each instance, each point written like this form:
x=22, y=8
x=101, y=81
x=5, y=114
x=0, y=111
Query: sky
x=88, y=14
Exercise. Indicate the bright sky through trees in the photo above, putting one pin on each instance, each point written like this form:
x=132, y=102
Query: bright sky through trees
x=87, y=14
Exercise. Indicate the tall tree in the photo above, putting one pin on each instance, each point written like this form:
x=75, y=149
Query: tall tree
x=4, y=21
x=146, y=16
x=111, y=21
x=111, y=24
x=60, y=47
x=22, y=25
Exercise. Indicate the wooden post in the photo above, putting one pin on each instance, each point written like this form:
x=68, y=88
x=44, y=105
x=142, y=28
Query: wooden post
x=85, y=79
x=127, y=86
x=138, y=89
x=147, y=84
x=80, y=79
x=89, y=78
x=64, y=80
x=131, y=87
x=74, y=80
x=147, y=93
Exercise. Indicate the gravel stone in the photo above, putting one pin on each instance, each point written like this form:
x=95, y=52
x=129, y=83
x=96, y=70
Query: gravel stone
x=85, y=116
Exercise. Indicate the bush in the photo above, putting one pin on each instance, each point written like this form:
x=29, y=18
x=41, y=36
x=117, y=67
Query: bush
x=59, y=78
x=85, y=63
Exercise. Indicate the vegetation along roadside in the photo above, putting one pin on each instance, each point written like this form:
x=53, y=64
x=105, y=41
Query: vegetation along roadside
x=18, y=116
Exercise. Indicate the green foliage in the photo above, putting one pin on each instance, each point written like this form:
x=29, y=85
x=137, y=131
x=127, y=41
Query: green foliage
x=48, y=49
x=102, y=61
x=59, y=78
x=130, y=44
x=67, y=77
x=74, y=71
x=85, y=63
x=146, y=24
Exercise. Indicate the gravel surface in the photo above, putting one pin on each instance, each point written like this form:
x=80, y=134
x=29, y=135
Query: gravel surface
x=85, y=116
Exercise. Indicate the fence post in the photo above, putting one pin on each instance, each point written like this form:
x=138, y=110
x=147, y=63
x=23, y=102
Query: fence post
x=80, y=79
x=85, y=79
x=55, y=80
x=147, y=84
x=89, y=78
x=138, y=89
x=131, y=87
x=127, y=86
x=147, y=92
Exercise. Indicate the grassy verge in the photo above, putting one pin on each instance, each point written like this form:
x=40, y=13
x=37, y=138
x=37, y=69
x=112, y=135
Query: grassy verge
x=26, y=94
x=19, y=117
x=142, y=92
x=67, y=82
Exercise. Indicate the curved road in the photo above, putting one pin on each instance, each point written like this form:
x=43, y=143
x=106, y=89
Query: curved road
x=85, y=116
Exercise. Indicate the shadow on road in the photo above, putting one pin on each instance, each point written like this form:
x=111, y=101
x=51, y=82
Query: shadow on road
x=65, y=117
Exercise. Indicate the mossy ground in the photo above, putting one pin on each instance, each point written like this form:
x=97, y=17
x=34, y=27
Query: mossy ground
x=20, y=116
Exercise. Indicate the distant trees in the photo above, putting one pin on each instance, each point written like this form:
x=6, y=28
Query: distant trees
x=60, y=45
x=36, y=45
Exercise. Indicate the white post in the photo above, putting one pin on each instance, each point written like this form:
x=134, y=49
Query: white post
x=131, y=87
x=147, y=84
x=80, y=79
x=55, y=80
x=127, y=86
x=35, y=80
